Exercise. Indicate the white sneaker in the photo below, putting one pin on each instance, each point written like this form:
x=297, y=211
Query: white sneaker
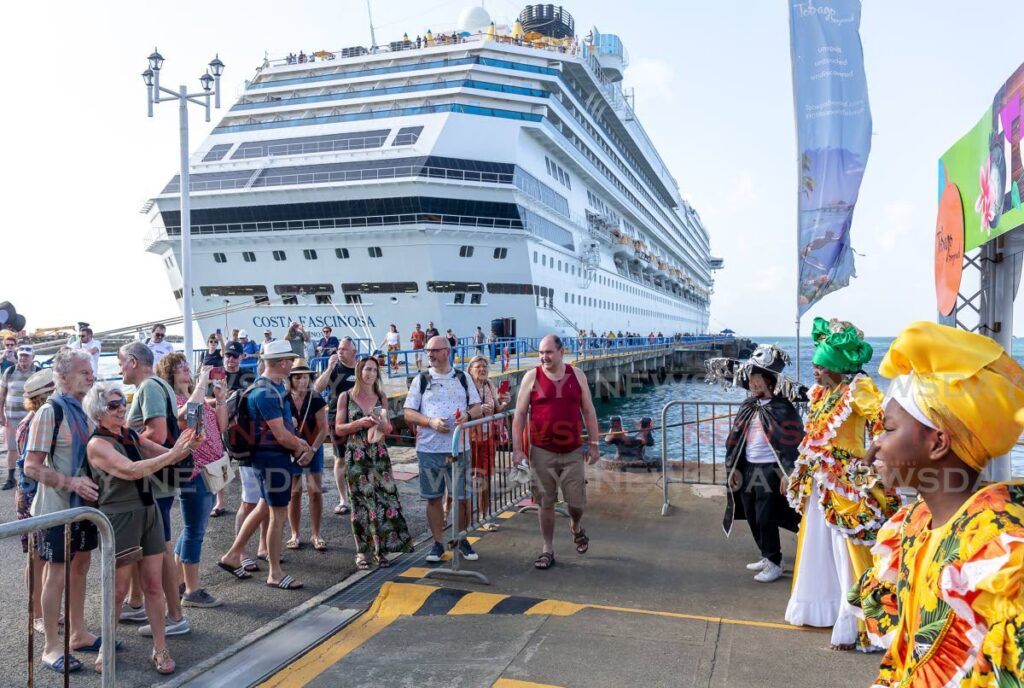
x=757, y=565
x=769, y=573
x=179, y=627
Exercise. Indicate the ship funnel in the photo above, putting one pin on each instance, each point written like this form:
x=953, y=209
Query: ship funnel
x=548, y=20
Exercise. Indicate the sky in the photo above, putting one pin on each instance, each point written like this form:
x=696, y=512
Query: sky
x=713, y=90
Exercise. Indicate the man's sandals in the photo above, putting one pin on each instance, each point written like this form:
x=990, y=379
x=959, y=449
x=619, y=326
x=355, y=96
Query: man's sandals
x=545, y=561
x=581, y=540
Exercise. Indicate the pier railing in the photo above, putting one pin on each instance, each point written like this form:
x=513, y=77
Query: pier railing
x=702, y=446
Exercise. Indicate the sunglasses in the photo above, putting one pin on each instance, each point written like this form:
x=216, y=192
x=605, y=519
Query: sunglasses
x=230, y=355
x=115, y=404
x=157, y=334
x=436, y=351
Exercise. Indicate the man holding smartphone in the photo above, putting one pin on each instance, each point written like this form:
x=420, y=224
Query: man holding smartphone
x=556, y=398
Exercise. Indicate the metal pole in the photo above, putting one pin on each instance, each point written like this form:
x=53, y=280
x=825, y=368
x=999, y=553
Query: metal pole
x=186, y=221
x=373, y=36
x=798, y=332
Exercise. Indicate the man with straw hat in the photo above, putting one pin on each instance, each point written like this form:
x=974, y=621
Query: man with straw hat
x=842, y=502
x=762, y=448
x=946, y=591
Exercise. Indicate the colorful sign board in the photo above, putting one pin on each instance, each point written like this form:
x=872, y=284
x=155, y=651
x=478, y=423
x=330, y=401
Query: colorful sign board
x=833, y=121
x=985, y=166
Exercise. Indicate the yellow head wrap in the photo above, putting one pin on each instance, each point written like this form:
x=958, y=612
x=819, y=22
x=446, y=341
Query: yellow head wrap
x=964, y=383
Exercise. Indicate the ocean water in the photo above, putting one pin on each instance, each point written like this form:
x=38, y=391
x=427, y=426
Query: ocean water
x=648, y=400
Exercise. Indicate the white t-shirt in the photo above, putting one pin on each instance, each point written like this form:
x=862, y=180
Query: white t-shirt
x=442, y=397
x=758, y=448
x=160, y=349
x=391, y=339
x=94, y=347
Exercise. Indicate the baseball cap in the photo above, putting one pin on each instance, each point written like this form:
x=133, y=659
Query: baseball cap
x=242, y=334
x=234, y=348
x=26, y=350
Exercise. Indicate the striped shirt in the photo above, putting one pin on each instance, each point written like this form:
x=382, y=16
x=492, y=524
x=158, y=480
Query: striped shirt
x=12, y=383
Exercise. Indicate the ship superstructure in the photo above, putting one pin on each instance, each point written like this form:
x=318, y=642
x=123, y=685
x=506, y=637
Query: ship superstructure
x=454, y=177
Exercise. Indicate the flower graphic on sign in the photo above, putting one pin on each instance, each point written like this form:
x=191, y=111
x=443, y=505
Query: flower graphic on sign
x=985, y=205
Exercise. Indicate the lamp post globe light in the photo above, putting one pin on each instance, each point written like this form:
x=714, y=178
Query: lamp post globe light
x=155, y=94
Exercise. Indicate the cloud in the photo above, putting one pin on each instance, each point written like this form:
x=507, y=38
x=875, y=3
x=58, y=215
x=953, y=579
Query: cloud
x=652, y=78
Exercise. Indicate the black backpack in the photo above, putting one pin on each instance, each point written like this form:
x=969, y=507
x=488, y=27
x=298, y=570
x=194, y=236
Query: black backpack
x=174, y=475
x=424, y=382
x=242, y=435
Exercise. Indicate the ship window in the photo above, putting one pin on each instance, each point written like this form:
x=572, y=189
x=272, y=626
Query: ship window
x=219, y=258
x=535, y=257
x=261, y=300
x=559, y=266
x=178, y=293
x=544, y=261
x=248, y=256
x=309, y=253
x=474, y=298
x=380, y=287
x=465, y=251
x=353, y=298
x=341, y=253
x=374, y=251
x=407, y=136
x=280, y=255
x=500, y=253
x=234, y=290
x=323, y=298
x=290, y=300
x=450, y=287
x=460, y=298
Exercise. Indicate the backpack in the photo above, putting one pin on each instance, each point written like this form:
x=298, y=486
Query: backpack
x=424, y=382
x=242, y=435
x=175, y=474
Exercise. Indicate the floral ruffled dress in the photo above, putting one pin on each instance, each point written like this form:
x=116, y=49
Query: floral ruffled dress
x=854, y=503
x=949, y=601
x=377, y=522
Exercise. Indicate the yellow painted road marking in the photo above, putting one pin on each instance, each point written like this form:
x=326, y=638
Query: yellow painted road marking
x=393, y=601
x=472, y=539
x=555, y=608
x=414, y=572
x=697, y=617
x=513, y=683
x=507, y=514
x=476, y=603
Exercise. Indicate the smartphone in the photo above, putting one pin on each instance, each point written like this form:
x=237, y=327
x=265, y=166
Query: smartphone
x=218, y=373
x=194, y=416
x=504, y=387
x=218, y=330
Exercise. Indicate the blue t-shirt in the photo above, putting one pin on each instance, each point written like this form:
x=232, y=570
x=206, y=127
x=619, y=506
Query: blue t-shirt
x=250, y=347
x=265, y=405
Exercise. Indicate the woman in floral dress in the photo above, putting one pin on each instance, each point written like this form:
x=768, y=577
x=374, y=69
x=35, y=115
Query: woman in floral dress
x=946, y=592
x=378, y=526
x=841, y=500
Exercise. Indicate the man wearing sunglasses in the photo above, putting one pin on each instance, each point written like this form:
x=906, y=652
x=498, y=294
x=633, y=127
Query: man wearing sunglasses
x=328, y=345
x=158, y=343
x=90, y=344
x=10, y=357
x=12, y=404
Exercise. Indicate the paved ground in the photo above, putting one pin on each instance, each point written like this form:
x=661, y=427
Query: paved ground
x=656, y=601
x=248, y=605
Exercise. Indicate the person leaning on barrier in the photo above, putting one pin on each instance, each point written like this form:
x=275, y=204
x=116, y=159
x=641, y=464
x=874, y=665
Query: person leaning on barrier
x=55, y=458
x=554, y=398
x=119, y=463
x=762, y=446
x=484, y=438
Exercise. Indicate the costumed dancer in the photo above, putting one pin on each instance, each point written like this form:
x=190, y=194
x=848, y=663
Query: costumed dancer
x=841, y=499
x=762, y=449
x=946, y=592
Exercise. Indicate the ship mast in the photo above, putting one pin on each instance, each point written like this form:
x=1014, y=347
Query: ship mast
x=373, y=36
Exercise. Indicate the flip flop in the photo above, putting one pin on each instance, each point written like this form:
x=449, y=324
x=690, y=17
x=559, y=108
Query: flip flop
x=293, y=544
x=97, y=644
x=286, y=583
x=545, y=561
x=489, y=527
x=319, y=544
x=263, y=557
x=240, y=572
x=218, y=512
x=342, y=509
x=249, y=565
x=58, y=664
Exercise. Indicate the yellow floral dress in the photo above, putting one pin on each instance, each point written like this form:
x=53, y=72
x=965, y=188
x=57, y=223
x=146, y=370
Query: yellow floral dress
x=854, y=502
x=950, y=600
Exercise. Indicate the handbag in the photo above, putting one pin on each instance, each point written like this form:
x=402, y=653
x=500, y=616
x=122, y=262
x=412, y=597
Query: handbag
x=219, y=473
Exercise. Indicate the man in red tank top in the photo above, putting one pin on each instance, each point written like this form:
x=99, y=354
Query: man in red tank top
x=557, y=399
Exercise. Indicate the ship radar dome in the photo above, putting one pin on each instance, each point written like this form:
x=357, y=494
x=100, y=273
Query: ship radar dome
x=474, y=19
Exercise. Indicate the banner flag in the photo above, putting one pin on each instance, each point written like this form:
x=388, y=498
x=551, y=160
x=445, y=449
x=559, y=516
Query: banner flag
x=833, y=122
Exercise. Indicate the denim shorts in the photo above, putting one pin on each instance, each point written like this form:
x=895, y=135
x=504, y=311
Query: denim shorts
x=314, y=466
x=50, y=542
x=165, y=504
x=274, y=473
x=436, y=474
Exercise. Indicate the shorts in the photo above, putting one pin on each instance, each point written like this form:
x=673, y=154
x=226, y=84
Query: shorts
x=314, y=466
x=140, y=528
x=164, y=504
x=274, y=473
x=50, y=542
x=551, y=471
x=250, y=485
x=436, y=475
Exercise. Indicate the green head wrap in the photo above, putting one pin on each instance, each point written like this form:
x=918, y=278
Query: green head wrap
x=839, y=346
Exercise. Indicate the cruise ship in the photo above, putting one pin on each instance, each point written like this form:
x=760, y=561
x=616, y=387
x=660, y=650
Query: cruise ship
x=486, y=172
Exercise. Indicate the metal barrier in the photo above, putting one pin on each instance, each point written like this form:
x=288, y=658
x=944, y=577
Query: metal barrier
x=107, y=559
x=701, y=450
x=500, y=493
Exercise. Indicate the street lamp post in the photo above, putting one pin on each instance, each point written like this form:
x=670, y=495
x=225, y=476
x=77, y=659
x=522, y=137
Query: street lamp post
x=153, y=95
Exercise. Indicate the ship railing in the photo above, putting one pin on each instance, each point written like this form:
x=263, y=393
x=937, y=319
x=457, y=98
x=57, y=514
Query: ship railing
x=321, y=224
x=267, y=178
x=32, y=526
